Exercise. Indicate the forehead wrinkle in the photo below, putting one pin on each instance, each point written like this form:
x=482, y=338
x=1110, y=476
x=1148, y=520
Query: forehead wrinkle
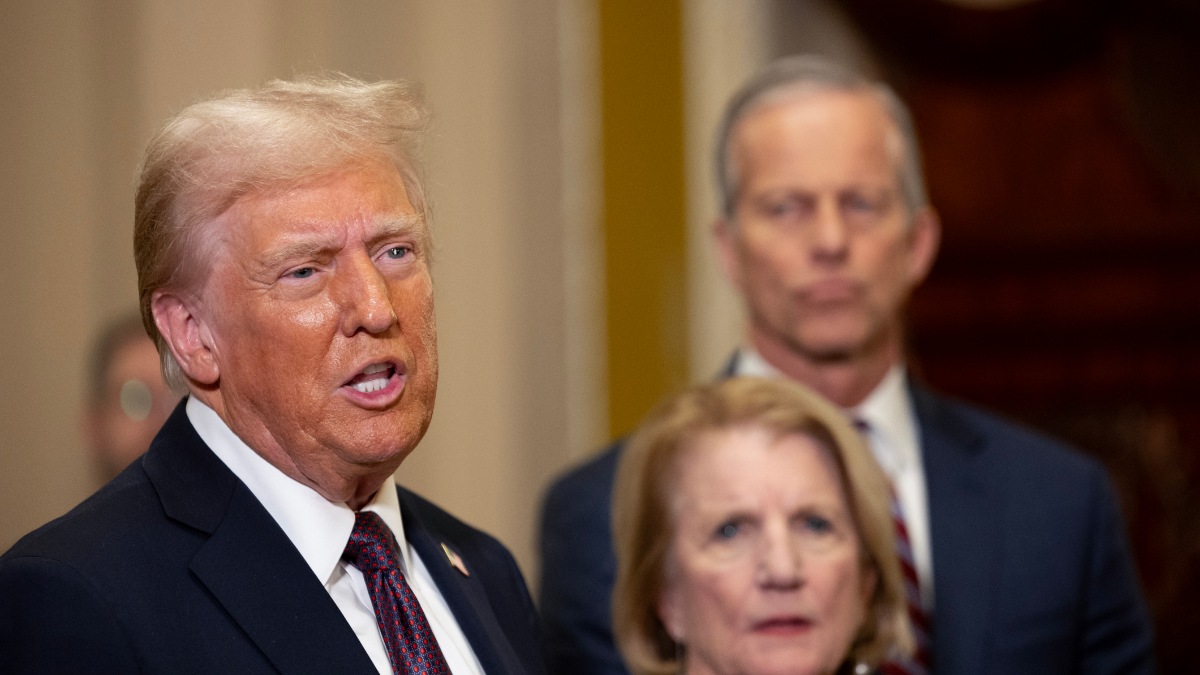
x=306, y=246
x=317, y=241
x=391, y=225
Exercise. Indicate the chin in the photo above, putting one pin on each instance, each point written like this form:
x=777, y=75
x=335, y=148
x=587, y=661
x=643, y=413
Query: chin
x=832, y=342
x=792, y=666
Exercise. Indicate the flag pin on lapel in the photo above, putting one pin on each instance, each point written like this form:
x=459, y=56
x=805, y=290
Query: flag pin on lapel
x=456, y=560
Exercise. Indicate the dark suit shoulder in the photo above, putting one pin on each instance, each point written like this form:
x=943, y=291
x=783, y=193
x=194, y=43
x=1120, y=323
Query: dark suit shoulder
x=579, y=568
x=1020, y=447
x=111, y=525
x=1031, y=568
x=584, y=492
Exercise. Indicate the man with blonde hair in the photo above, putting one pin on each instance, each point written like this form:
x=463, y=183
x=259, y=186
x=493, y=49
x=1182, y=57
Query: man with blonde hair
x=283, y=252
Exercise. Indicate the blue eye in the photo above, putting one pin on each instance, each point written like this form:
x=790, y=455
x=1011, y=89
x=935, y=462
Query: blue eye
x=818, y=525
x=860, y=203
x=728, y=530
x=397, y=252
x=302, y=273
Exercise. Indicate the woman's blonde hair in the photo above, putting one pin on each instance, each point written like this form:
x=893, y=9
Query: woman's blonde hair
x=643, y=524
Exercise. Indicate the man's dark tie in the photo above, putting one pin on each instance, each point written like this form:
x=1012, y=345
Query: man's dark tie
x=411, y=646
x=918, y=663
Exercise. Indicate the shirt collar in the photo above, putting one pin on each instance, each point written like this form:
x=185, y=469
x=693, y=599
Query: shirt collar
x=750, y=363
x=317, y=527
x=887, y=410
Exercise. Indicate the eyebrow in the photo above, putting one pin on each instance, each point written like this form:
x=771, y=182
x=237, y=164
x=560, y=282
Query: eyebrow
x=318, y=244
x=389, y=226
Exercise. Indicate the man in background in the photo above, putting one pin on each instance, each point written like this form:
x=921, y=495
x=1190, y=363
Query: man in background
x=283, y=250
x=1012, y=545
x=127, y=399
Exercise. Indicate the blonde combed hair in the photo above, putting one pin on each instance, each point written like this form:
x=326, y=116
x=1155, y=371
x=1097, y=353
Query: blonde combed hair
x=272, y=137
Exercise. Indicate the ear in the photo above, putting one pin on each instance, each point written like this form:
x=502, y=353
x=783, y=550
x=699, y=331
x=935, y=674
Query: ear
x=869, y=579
x=925, y=237
x=187, y=336
x=725, y=239
x=670, y=612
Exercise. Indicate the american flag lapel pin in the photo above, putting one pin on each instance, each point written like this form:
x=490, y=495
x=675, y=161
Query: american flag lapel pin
x=456, y=560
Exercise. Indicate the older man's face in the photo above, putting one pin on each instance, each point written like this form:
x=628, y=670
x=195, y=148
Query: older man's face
x=320, y=308
x=821, y=245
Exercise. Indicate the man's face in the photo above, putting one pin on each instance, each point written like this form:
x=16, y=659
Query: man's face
x=319, y=311
x=821, y=245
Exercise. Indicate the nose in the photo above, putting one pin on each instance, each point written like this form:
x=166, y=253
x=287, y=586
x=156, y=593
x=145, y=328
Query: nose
x=831, y=237
x=365, y=298
x=780, y=562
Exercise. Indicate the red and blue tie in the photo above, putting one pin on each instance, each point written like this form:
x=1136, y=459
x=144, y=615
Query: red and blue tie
x=411, y=646
x=918, y=663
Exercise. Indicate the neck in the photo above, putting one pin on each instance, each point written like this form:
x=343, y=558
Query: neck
x=353, y=485
x=846, y=381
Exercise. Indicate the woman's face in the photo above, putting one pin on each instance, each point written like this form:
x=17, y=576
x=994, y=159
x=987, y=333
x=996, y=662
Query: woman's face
x=764, y=573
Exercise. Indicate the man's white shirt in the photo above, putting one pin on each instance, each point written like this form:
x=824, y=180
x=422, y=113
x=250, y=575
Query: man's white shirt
x=895, y=441
x=320, y=529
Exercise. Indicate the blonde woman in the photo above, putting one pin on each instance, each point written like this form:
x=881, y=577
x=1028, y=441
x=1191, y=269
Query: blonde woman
x=753, y=536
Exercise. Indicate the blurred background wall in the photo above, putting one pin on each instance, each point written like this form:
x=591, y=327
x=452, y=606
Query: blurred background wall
x=569, y=168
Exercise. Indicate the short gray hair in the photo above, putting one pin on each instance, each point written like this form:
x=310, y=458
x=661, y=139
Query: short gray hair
x=805, y=74
x=274, y=136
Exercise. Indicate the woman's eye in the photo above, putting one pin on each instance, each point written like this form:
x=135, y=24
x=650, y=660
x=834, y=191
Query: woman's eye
x=818, y=525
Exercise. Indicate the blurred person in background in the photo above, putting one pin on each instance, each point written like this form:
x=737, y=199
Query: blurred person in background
x=127, y=399
x=754, y=536
x=1012, y=544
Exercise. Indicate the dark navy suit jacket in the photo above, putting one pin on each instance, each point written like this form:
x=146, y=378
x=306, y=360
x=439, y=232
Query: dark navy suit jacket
x=175, y=567
x=1031, y=569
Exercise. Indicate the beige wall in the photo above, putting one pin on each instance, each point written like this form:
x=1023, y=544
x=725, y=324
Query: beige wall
x=84, y=85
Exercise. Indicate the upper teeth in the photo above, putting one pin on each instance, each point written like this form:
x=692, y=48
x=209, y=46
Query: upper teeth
x=377, y=368
x=369, y=386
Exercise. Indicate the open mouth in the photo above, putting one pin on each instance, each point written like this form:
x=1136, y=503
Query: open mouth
x=373, y=378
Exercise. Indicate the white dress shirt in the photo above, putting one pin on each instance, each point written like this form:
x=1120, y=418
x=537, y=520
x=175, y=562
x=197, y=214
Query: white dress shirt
x=895, y=441
x=320, y=529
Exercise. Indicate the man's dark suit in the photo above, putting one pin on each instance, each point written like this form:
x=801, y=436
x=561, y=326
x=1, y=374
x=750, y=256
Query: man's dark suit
x=175, y=567
x=1031, y=570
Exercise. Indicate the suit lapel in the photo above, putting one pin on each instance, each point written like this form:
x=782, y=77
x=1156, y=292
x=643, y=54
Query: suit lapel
x=964, y=513
x=464, y=594
x=248, y=563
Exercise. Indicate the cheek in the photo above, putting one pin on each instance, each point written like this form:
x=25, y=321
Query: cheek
x=311, y=317
x=415, y=311
x=888, y=259
x=715, y=598
x=846, y=591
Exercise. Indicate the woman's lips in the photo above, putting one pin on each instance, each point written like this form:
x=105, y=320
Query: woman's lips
x=783, y=625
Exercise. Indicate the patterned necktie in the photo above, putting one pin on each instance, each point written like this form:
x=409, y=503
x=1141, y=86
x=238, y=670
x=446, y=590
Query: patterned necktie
x=918, y=663
x=411, y=646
